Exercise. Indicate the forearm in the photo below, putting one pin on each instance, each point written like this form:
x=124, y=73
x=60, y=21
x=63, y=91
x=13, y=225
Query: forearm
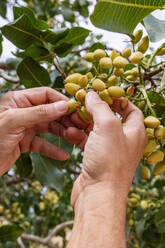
x=99, y=219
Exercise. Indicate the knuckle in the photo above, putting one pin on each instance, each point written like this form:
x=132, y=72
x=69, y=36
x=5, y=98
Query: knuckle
x=42, y=110
x=141, y=134
x=111, y=122
x=44, y=88
x=10, y=94
x=101, y=103
x=10, y=115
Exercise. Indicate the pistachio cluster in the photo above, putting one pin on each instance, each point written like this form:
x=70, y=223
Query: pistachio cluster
x=118, y=75
x=102, y=78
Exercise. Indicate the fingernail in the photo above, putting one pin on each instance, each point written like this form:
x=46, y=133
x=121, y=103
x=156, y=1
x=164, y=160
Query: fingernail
x=61, y=106
x=92, y=95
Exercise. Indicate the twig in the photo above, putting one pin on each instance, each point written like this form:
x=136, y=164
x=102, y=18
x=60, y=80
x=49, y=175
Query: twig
x=58, y=228
x=37, y=239
x=87, y=48
x=16, y=86
x=73, y=170
x=154, y=55
x=58, y=66
x=8, y=78
x=20, y=243
x=16, y=179
x=4, y=66
x=143, y=90
x=149, y=75
x=47, y=240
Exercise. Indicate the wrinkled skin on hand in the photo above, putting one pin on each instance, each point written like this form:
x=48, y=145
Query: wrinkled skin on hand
x=26, y=113
x=113, y=150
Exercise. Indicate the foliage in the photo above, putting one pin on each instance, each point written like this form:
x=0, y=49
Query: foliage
x=133, y=12
x=35, y=194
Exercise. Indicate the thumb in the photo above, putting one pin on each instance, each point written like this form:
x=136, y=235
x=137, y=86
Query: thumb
x=100, y=110
x=28, y=117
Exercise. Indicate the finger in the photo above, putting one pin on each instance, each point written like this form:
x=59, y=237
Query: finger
x=78, y=122
x=131, y=114
x=25, y=143
x=28, y=117
x=133, y=127
x=89, y=128
x=44, y=147
x=36, y=96
x=66, y=122
x=76, y=136
x=104, y=119
x=72, y=135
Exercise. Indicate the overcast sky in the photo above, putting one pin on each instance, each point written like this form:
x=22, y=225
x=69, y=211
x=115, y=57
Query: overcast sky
x=114, y=40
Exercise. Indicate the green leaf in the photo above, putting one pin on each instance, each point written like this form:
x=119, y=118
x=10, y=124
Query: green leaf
x=38, y=24
x=68, y=14
x=123, y=15
x=63, y=144
x=63, y=50
x=163, y=120
x=1, y=39
x=47, y=172
x=154, y=97
x=97, y=45
x=57, y=80
x=13, y=63
x=24, y=165
x=36, y=52
x=151, y=236
x=140, y=228
x=21, y=32
x=32, y=74
x=159, y=110
x=155, y=28
x=159, y=220
x=162, y=241
x=54, y=36
x=10, y=233
x=76, y=36
x=3, y=8
x=162, y=84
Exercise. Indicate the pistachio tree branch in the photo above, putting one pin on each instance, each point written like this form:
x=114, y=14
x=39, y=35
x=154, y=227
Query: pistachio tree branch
x=149, y=75
x=8, y=78
x=4, y=66
x=87, y=48
x=16, y=179
x=58, y=228
x=20, y=243
x=37, y=239
x=58, y=65
x=47, y=240
x=74, y=170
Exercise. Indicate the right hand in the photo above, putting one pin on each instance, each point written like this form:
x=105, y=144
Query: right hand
x=113, y=151
x=26, y=113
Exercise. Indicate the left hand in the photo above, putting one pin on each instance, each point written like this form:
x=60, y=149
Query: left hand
x=23, y=114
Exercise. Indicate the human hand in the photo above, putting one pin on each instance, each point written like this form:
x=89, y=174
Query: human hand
x=23, y=114
x=113, y=151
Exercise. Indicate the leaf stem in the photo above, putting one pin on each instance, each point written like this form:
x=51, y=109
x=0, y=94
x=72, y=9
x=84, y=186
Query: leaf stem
x=143, y=90
x=154, y=55
x=141, y=76
x=58, y=66
x=128, y=81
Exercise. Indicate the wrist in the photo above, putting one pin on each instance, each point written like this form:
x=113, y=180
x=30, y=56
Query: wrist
x=100, y=214
x=83, y=188
x=4, y=165
x=99, y=193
